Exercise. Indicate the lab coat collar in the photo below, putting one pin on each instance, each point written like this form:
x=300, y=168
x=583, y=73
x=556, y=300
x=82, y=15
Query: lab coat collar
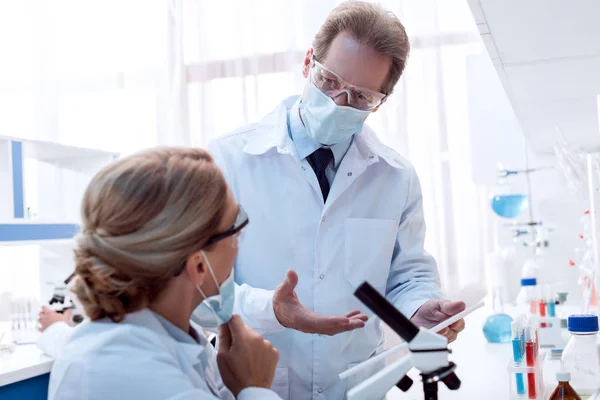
x=272, y=132
x=186, y=351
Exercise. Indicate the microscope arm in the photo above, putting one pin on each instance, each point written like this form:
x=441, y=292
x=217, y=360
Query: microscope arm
x=377, y=385
x=402, y=346
x=428, y=353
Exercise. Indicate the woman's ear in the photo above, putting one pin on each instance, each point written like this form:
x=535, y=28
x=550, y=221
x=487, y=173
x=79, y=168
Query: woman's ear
x=195, y=268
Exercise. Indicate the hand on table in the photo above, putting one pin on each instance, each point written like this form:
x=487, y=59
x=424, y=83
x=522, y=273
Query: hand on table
x=48, y=316
x=435, y=311
x=292, y=314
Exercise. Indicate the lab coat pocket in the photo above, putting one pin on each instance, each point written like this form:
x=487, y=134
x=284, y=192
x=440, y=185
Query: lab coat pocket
x=281, y=384
x=369, y=245
x=366, y=373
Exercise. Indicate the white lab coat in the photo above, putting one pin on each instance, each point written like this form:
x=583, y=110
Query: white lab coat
x=371, y=228
x=54, y=338
x=138, y=359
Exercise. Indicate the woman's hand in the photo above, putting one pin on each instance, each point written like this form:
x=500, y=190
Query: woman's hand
x=245, y=359
x=48, y=316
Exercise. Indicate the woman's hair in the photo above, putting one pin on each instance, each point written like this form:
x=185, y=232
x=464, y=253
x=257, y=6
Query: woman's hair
x=142, y=217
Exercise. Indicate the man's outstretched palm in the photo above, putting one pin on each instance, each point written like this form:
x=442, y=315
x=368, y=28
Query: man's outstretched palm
x=292, y=314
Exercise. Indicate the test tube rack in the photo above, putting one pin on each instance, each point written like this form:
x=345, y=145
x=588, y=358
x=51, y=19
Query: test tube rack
x=526, y=382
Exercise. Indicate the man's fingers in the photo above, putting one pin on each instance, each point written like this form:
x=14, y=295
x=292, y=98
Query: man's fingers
x=332, y=322
x=458, y=325
x=361, y=317
x=352, y=313
x=356, y=323
x=291, y=280
x=335, y=325
x=452, y=307
x=451, y=336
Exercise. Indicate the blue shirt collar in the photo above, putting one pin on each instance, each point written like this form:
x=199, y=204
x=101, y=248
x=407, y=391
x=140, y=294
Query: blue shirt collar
x=305, y=145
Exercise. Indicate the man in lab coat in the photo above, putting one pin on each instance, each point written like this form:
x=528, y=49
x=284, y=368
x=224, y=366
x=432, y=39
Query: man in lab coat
x=334, y=206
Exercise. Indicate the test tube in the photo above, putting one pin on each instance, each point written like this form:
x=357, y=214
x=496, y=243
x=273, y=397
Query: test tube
x=530, y=360
x=552, y=307
x=542, y=311
x=517, y=355
x=551, y=303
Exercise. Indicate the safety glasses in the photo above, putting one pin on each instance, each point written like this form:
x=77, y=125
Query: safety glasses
x=240, y=223
x=333, y=86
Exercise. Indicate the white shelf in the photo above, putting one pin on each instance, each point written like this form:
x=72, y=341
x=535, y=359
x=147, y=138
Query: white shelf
x=25, y=221
x=28, y=231
x=49, y=242
x=52, y=152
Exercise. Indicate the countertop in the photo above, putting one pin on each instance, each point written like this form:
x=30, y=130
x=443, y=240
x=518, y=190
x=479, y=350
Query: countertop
x=27, y=361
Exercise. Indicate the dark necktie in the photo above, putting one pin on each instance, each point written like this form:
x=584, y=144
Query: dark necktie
x=320, y=160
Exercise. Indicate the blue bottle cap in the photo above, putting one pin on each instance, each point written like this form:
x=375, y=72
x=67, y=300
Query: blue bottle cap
x=583, y=323
x=528, y=282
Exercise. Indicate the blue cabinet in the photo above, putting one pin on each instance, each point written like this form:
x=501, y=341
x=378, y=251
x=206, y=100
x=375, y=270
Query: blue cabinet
x=35, y=388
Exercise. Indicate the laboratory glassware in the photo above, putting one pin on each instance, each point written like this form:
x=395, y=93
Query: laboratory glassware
x=580, y=356
x=564, y=391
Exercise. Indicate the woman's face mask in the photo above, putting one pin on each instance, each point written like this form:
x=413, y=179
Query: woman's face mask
x=218, y=308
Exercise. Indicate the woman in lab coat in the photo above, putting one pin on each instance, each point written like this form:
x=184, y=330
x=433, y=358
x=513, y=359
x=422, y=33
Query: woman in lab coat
x=158, y=239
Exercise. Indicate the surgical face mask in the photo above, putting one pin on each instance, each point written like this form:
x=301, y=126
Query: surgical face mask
x=326, y=122
x=220, y=305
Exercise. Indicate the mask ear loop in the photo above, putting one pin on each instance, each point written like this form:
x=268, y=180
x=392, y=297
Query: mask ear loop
x=212, y=274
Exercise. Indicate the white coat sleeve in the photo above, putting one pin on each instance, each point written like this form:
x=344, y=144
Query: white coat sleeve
x=135, y=370
x=254, y=305
x=54, y=338
x=414, y=276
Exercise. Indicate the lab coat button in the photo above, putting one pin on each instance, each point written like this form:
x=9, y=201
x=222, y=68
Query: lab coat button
x=303, y=168
x=322, y=276
x=371, y=157
x=322, y=219
x=349, y=173
x=320, y=390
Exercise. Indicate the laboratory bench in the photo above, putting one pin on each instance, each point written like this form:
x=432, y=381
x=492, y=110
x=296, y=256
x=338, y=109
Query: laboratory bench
x=481, y=366
x=24, y=373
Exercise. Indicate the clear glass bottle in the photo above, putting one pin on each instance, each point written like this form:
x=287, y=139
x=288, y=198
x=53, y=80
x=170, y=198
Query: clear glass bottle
x=529, y=295
x=564, y=391
x=580, y=357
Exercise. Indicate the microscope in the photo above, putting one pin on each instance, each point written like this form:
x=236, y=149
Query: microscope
x=428, y=352
x=61, y=300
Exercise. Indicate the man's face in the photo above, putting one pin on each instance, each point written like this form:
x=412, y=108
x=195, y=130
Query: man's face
x=355, y=62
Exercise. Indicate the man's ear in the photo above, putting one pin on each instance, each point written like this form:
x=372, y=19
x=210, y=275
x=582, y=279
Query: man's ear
x=382, y=101
x=306, y=62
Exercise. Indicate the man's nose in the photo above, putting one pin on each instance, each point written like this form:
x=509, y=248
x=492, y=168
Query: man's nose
x=342, y=98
